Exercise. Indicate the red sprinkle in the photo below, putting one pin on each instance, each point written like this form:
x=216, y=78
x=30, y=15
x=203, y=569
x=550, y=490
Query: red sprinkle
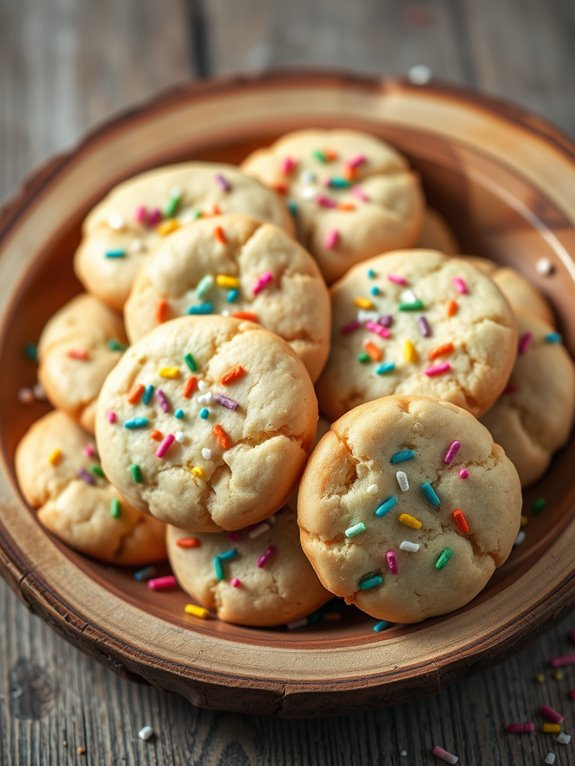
x=80, y=354
x=288, y=165
x=156, y=435
x=219, y=235
x=551, y=714
x=163, y=583
x=521, y=728
x=188, y=542
x=460, y=520
x=524, y=342
x=572, y=694
x=162, y=308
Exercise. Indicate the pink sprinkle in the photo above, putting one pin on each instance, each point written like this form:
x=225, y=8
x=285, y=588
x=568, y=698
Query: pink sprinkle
x=141, y=215
x=165, y=445
x=397, y=280
x=324, y=201
x=378, y=329
x=445, y=755
x=89, y=450
x=235, y=536
x=154, y=217
x=452, y=451
x=223, y=182
x=266, y=556
x=524, y=342
x=551, y=714
x=359, y=193
x=464, y=473
x=437, y=369
x=520, y=728
x=163, y=583
x=236, y=582
x=560, y=662
x=264, y=280
x=391, y=562
x=288, y=164
x=572, y=636
x=331, y=239
x=112, y=417
x=356, y=161
x=355, y=324
x=460, y=285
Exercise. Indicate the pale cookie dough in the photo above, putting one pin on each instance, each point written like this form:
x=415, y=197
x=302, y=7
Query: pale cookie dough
x=206, y=422
x=59, y=474
x=417, y=322
x=238, y=266
x=406, y=507
x=520, y=293
x=435, y=234
x=534, y=415
x=352, y=195
x=78, y=347
x=136, y=215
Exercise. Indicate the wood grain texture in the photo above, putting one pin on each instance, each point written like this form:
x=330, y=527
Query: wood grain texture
x=81, y=703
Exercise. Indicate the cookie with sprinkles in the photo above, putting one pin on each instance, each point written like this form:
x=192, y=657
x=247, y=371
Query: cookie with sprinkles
x=138, y=214
x=206, y=423
x=407, y=506
x=417, y=322
x=534, y=415
x=352, y=195
x=435, y=234
x=236, y=266
x=78, y=347
x=60, y=475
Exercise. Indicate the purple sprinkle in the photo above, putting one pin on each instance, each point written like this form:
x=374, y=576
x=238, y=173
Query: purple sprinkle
x=163, y=400
x=266, y=556
x=225, y=401
x=424, y=327
x=386, y=320
x=154, y=217
x=87, y=477
x=235, y=536
x=452, y=451
x=524, y=342
x=223, y=182
x=355, y=324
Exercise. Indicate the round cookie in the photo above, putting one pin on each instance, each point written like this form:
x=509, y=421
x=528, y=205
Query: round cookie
x=136, y=215
x=236, y=265
x=78, y=347
x=520, y=293
x=406, y=507
x=59, y=474
x=534, y=415
x=435, y=234
x=353, y=196
x=206, y=422
x=417, y=322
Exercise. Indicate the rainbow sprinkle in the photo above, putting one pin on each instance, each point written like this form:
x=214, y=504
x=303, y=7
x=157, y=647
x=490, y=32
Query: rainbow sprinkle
x=443, y=558
x=524, y=342
x=391, y=560
x=452, y=451
x=225, y=401
x=355, y=530
x=402, y=456
x=197, y=611
x=416, y=305
x=136, y=473
x=163, y=583
x=402, y=480
x=266, y=556
x=135, y=423
x=430, y=494
x=116, y=253
x=424, y=327
x=163, y=400
x=55, y=457
x=332, y=239
x=397, y=280
x=201, y=309
x=262, y=282
x=386, y=506
x=437, y=369
x=223, y=183
x=115, y=508
x=370, y=581
x=165, y=445
x=409, y=521
x=385, y=368
x=408, y=546
x=460, y=285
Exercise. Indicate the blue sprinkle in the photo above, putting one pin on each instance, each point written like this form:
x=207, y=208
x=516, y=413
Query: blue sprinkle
x=179, y=414
x=292, y=206
x=402, y=456
x=371, y=274
x=232, y=295
x=136, y=423
x=375, y=290
x=146, y=573
x=228, y=555
x=118, y=253
x=430, y=494
x=382, y=625
x=148, y=394
x=385, y=367
x=204, y=413
x=31, y=351
x=202, y=308
x=386, y=506
x=553, y=337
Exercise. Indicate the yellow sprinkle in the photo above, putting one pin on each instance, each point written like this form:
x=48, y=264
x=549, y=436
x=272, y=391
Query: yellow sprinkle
x=223, y=280
x=558, y=675
x=363, y=303
x=167, y=227
x=551, y=728
x=409, y=521
x=332, y=617
x=55, y=456
x=169, y=372
x=409, y=352
x=197, y=611
x=540, y=678
x=197, y=471
x=524, y=521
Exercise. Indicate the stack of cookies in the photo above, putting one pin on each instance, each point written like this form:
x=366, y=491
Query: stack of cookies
x=225, y=309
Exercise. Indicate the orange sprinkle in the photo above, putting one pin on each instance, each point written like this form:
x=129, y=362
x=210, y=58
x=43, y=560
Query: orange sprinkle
x=330, y=155
x=135, y=393
x=156, y=435
x=162, y=308
x=79, y=353
x=232, y=375
x=375, y=353
x=188, y=542
x=452, y=308
x=443, y=350
x=347, y=207
x=245, y=315
x=280, y=188
x=219, y=235
x=223, y=439
x=349, y=174
x=216, y=210
x=190, y=386
x=460, y=520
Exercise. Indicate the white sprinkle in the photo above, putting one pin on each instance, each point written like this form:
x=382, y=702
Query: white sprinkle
x=307, y=177
x=550, y=758
x=563, y=739
x=408, y=296
x=272, y=520
x=206, y=453
x=145, y=733
x=520, y=538
x=225, y=313
x=39, y=392
x=544, y=267
x=116, y=221
x=420, y=74
x=367, y=316
x=25, y=395
x=179, y=436
x=202, y=385
x=259, y=530
x=205, y=398
x=175, y=191
x=372, y=489
x=308, y=192
x=297, y=624
x=403, y=753
x=137, y=246
x=402, y=480
x=188, y=216
x=408, y=546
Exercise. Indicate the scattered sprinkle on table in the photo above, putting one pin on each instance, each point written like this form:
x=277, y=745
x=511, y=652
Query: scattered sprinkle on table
x=196, y=611
x=168, y=582
x=145, y=733
x=444, y=755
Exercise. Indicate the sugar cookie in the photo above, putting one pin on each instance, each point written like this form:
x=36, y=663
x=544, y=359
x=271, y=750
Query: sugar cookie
x=435, y=234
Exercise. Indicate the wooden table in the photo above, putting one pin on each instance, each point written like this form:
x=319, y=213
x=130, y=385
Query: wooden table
x=66, y=65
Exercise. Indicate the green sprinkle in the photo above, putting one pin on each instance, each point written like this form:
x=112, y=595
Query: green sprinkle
x=179, y=413
x=97, y=471
x=173, y=204
x=118, y=253
x=384, y=368
x=136, y=472
x=115, y=345
x=148, y=394
x=363, y=357
x=319, y=155
x=382, y=625
x=115, y=508
x=386, y=506
x=539, y=505
x=430, y=494
x=204, y=285
x=197, y=214
x=402, y=456
x=553, y=337
x=204, y=413
x=355, y=530
x=443, y=558
x=191, y=362
x=31, y=351
x=218, y=568
x=413, y=306
x=228, y=555
x=370, y=581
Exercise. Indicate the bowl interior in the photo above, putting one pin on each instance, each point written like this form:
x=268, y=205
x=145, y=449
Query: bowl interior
x=494, y=213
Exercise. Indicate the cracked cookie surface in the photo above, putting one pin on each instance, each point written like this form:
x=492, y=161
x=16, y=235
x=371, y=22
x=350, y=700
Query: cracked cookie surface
x=137, y=214
x=403, y=548
x=206, y=423
x=417, y=322
x=59, y=473
x=352, y=195
x=235, y=264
